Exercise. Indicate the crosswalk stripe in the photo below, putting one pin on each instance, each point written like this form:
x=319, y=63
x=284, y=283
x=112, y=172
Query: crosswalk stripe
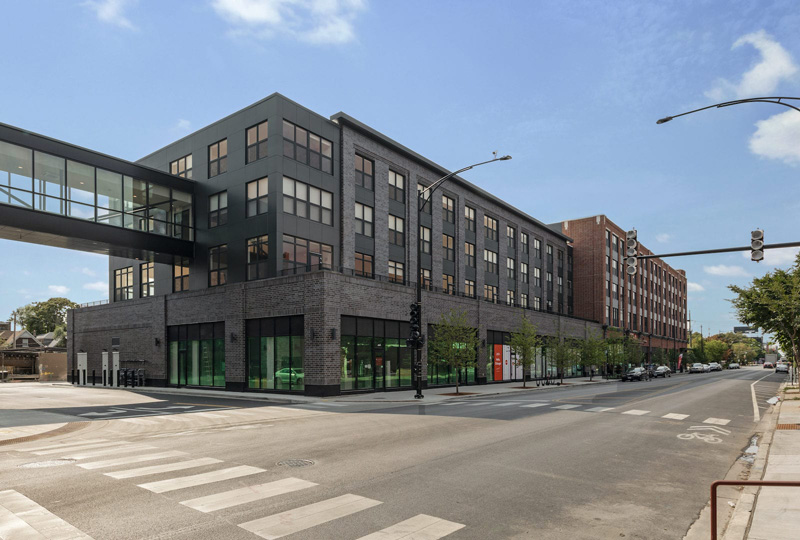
x=474, y=403
x=534, y=405
x=454, y=403
x=565, y=407
x=502, y=405
x=81, y=447
x=305, y=517
x=132, y=459
x=23, y=519
x=169, y=467
x=247, y=494
x=599, y=409
x=717, y=421
x=420, y=527
x=107, y=451
x=181, y=482
x=59, y=445
x=676, y=416
x=636, y=412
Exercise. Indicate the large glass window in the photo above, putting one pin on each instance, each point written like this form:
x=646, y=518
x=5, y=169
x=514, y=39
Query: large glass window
x=424, y=239
x=422, y=198
x=182, y=167
x=449, y=247
x=257, y=256
x=218, y=265
x=374, y=354
x=365, y=172
x=16, y=175
x=469, y=252
x=217, y=209
x=396, y=272
x=363, y=263
x=307, y=147
x=490, y=261
x=147, y=272
x=397, y=231
x=257, y=142
x=257, y=197
x=275, y=354
x=218, y=158
x=49, y=182
x=307, y=201
x=490, y=226
x=299, y=253
x=397, y=187
x=109, y=198
x=123, y=284
x=180, y=274
x=197, y=354
x=448, y=209
x=80, y=190
x=469, y=215
x=363, y=219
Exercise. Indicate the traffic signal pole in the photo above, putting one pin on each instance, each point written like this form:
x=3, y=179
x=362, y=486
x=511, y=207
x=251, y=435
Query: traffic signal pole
x=721, y=250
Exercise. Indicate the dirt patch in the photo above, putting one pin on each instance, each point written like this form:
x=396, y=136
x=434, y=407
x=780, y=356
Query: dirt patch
x=460, y=394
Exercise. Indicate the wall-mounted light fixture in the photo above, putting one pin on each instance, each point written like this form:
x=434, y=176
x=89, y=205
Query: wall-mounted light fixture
x=233, y=336
x=158, y=342
x=333, y=333
x=313, y=334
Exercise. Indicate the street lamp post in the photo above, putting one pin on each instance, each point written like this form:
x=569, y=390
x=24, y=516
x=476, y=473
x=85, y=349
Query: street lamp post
x=773, y=100
x=423, y=198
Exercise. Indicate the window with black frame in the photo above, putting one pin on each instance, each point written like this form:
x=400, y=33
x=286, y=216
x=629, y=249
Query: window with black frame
x=363, y=265
x=397, y=234
x=256, y=140
x=217, y=209
x=396, y=272
x=299, y=254
x=257, y=193
x=374, y=354
x=218, y=158
x=257, y=257
x=397, y=187
x=275, y=349
x=365, y=172
x=147, y=272
x=182, y=167
x=123, y=284
x=307, y=147
x=180, y=274
x=448, y=209
x=197, y=354
x=218, y=265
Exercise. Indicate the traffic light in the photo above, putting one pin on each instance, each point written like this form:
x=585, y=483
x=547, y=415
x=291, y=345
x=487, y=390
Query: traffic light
x=631, y=248
x=757, y=245
x=416, y=339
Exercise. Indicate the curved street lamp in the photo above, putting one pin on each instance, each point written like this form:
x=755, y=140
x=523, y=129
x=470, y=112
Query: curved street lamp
x=422, y=199
x=774, y=100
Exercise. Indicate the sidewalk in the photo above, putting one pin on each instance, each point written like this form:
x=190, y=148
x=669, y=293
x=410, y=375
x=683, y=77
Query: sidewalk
x=776, y=515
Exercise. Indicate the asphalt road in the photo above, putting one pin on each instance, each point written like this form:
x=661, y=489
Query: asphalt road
x=616, y=460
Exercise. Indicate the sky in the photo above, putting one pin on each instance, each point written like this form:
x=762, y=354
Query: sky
x=572, y=90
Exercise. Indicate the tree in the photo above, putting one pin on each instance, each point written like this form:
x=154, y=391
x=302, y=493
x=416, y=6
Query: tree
x=592, y=353
x=524, y=343
x=772, y=303
x=631, y=352
x=454, y=343
x=60, y=336
x=43, y=317
x=716, y=350
x=563, y=354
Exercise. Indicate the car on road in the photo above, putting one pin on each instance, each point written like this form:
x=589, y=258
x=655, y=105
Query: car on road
x=782, y=367
x=663, y=371
x=734, y=365
x=696, y=368
x=636, y=374
x=768, y=365
x=706, y=368
x=714, y=366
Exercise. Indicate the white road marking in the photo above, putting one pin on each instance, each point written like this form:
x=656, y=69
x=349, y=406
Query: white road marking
x=305, y=517
x=473, y=403
x=756, y=412
x=676, y=416
x=169, y=467
x=247, y=494
x=419, y=527
x=327, y=404
x=566, y=407
x=636, y=412
x=60, y=445
x=132, y=459
x=711, y=428
x=599, y=409
x=107, y=451
x=141, y=421
x=717, y=421
x=507, y=404
x=81, y=447
x=181, y=482
x=534, y=405
x=24, y=519
x=454, y=403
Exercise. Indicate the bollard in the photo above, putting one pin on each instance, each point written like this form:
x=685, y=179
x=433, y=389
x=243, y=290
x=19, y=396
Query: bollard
x=133, y=379
x=84, y=377
x=104, y=377
x=93, y=378
x=73, y=376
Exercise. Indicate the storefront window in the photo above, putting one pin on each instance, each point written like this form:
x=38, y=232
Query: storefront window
x=374, y=354
x=275, y=354
x=197, y=355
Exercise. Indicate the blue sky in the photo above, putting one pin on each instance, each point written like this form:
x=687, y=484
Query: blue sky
x=571, y=89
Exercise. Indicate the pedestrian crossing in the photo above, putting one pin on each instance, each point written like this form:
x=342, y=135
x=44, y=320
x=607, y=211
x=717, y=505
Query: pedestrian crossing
x=21, y=517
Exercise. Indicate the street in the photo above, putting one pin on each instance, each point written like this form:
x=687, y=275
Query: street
x=612, y=460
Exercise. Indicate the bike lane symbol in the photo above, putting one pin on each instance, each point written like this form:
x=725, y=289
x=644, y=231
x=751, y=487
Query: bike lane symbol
x=697, y=433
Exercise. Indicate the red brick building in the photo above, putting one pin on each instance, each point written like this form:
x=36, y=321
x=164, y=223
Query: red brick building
x=651, y=306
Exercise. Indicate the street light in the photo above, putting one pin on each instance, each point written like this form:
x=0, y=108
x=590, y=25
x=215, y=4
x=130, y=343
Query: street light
x=775, y=100
x=422, y=199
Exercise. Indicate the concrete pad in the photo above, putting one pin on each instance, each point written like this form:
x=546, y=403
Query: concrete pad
x=786, y=443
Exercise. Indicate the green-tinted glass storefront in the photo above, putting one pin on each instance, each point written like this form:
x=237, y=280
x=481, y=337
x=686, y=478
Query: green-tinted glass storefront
x=440, y=373
x=374, y=354
x=197, y=354
x=275, y=354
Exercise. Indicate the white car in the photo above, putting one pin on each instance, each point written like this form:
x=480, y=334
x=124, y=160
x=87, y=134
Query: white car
x=706, y=368
x=782, y=367
x=734, y=365
x=714, y=366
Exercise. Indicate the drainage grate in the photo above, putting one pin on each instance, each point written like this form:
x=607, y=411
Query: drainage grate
x=72, y=426
x=788, y=426
x=49, y=463
x=295, y=463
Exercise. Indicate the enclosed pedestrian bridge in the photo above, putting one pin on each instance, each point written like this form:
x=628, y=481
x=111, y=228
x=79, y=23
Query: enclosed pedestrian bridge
x=58, y=194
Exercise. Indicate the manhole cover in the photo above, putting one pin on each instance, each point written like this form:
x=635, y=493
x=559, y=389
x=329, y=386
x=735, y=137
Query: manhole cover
x=49, y=463
x=296, y=463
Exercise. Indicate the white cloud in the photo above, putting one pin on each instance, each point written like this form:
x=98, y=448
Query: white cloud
x=694, y=287
x=776, y=65
x=58, y=289
x=111, y=11
x=313, y=21
x=726, y=270
x=183, y=125
x=88, y=272
x=663, y=238
x=101, y=286
x=777, y=257
x=777, y=136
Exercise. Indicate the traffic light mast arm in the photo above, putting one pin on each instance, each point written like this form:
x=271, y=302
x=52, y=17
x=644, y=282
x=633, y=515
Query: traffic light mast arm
x=721, y=250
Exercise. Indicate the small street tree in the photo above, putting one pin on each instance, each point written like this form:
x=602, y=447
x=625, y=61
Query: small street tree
x=563, y=354
x=592, y=353
x=454, y=343
x=524, y=343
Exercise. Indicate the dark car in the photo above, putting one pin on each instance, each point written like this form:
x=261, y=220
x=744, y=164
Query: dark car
x=663, y=371
x=636, y=374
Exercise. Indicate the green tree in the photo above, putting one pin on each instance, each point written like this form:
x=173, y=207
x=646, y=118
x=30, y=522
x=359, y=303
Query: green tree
x=42, y=317
x=631, y=352
x=592, y=353
x=454, y=342
x=716, y=350
x=562, y=353
x=772, y=303
x=60, y=336
x=524, y=343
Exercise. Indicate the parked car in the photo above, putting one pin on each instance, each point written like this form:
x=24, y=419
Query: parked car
x=714, y=366
x=636, y=374
x=733, y=365
x=651, y=370
x=768, y=365
x=696, y=368
x=663, y=371
x=286, y=375
x=706, y=368
x=782, y=367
